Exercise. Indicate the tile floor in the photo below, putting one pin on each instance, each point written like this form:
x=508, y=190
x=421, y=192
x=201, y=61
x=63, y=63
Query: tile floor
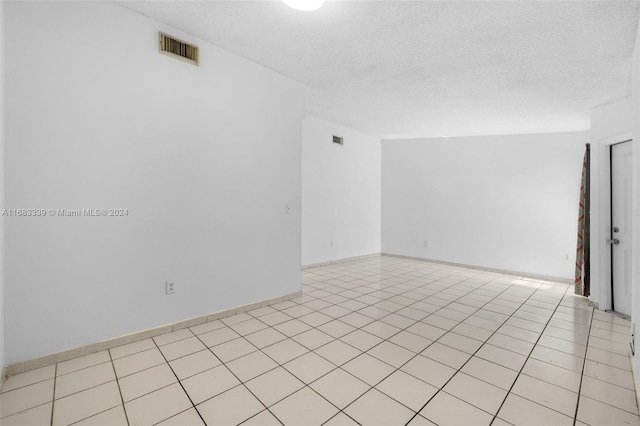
x=377, y=341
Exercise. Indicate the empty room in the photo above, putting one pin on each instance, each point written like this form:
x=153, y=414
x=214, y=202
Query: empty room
x=319, y=212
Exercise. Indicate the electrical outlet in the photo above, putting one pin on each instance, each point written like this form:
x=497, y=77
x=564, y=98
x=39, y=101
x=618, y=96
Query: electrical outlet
x=426, y=243
x=170, y=287
x=566, y=257
x=289, y=209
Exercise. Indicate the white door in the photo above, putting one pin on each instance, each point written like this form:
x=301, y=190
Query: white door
x=620, y=239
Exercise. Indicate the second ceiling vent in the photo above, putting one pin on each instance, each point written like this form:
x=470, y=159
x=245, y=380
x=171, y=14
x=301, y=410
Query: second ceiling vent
x=179, y=49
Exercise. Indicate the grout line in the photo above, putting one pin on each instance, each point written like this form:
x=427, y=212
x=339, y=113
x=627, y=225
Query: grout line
x=584, y=363
x=53, y=399
x=126, y=416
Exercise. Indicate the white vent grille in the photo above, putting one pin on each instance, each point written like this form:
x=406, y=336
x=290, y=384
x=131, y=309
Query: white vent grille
x=179, y=49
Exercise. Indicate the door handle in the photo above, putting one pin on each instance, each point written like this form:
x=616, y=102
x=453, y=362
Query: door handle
x=614, y=241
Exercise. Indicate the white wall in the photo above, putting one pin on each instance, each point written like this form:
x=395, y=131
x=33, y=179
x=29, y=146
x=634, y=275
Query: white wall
x=610, y=123
x=2, y=322
x=504, y=202
x=204, y=158
x=635, y=272
x=340, y=193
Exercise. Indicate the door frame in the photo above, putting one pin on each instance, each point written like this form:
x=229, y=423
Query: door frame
x=600, y=215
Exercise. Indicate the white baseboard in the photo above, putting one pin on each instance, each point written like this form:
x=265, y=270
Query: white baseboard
x=483, y=268
x=346, y=259
x=43, y=361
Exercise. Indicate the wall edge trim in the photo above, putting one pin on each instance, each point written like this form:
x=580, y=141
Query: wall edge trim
x=50, y=359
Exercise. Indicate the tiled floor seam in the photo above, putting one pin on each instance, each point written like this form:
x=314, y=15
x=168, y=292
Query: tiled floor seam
x=126, y=416
x=179, y=382
x=53, y=397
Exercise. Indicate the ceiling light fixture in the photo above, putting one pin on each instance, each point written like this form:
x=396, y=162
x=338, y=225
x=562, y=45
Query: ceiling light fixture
x=305, y=5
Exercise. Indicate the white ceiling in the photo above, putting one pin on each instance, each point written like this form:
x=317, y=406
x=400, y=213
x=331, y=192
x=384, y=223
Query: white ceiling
x=431, y=68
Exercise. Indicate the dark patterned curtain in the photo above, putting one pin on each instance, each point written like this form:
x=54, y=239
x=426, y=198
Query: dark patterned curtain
x=582, y=255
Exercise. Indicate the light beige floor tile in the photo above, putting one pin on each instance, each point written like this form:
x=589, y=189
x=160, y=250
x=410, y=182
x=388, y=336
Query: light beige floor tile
x=85, y=404
x=609, y=374
x=219, y=336
x=112, y=417
x=312, y=339
x=492, y=373
x=560, y=359
x=339, y=387
x=430, y=371
x=381, y=329
x=209, y=383
x=309, y=367
x=411, y=341
x=84, y=379
x=546, y=394
x=40, y=415
x=29, y=378
x=305, y=407
x=398, y=321
x=427, y=331
x=26, y=397
x=361, y=340
x=285, y=351
x=563, y=345
x=376, y=408
x=233, y=349
x=519, y=346
x=138, y=362
x=608, y=393
x=460, y=342
x=248, y=327
x=186, y=418
x=550, y=373
x=368, y=369
x=274, y=385
x=340, y=419
x=207, y=327
x=501, y=356
x=146, y=381
x=500, y=422
x=391, y=353
x=476, y=392
x=472, y=331
x=594, y=412
x=165, y=339
x=182, y=348
x=275, y=318
x=315, y=319
x=132, y=348
x=336, y=328
x=519, y=411
x=230, y=408
x=407, y=390
x=297, y=311
x=607, y=345
x=266, y=337
x=250, y=366
x=609, y=358
x=193, y=364
x=292, y=328
x=519, y=333
x=82, y=362
x=338, y=352
x=157, y=406
x=446, y=355
x=445, y=409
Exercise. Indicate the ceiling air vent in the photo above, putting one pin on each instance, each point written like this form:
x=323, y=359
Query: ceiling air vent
x=338, y=140
x=179, y=49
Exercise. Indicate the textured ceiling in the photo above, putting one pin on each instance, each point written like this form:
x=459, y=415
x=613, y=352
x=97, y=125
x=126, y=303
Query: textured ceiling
x=431, y=68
